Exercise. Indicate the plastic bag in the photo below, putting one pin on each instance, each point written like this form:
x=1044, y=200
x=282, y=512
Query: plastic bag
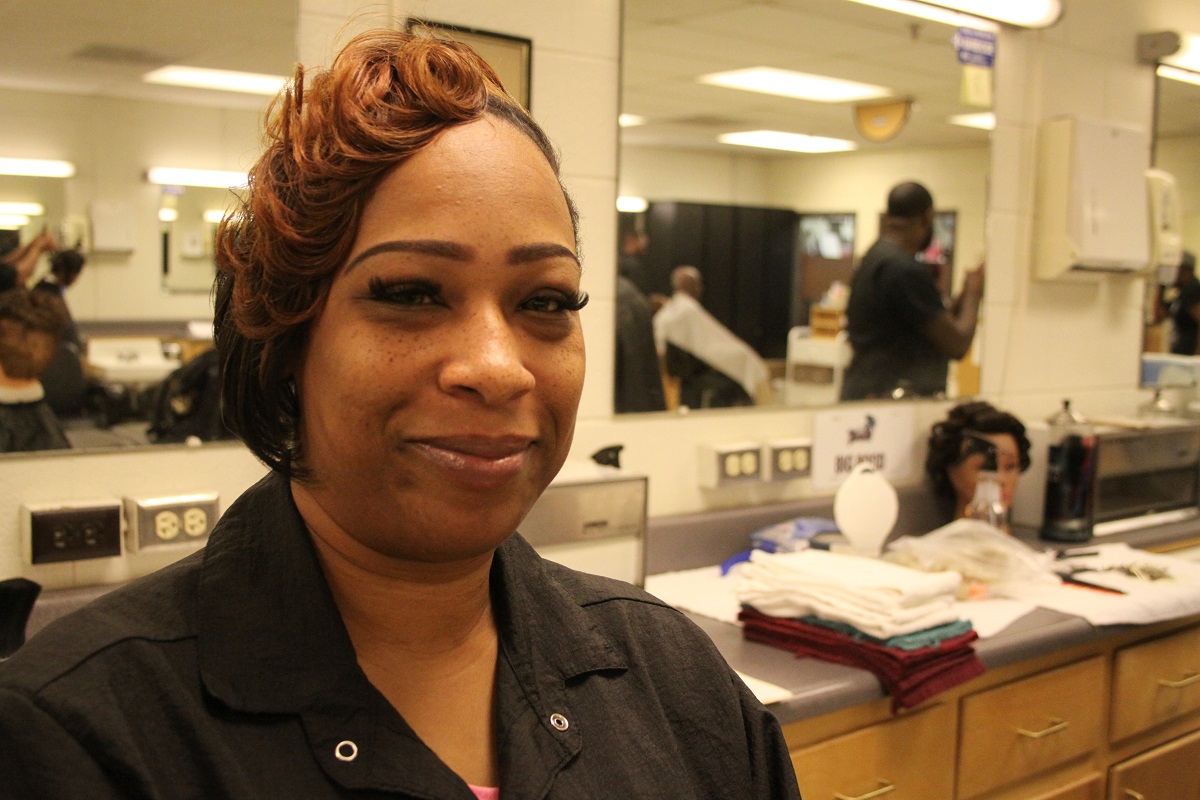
x=990, y=561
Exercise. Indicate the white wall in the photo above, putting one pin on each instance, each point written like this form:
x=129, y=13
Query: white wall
x=1040, y=340
x=1181, y=157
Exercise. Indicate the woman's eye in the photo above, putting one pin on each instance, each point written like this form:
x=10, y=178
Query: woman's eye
x=404, y=294
x=556, y=302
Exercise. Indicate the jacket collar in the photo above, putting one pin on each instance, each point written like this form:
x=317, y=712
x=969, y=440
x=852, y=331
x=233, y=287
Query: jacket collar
x=271, y=639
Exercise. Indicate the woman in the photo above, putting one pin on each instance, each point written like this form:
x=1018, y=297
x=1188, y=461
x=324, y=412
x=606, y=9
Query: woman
x=953, y=460
x=396, y=314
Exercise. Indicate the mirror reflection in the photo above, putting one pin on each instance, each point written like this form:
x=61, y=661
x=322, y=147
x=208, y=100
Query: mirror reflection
x=1172, y=331
x=776, y=235
x=71, y=84
x=189, y=217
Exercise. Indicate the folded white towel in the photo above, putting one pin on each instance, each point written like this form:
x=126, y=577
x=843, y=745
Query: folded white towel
x=876, y=597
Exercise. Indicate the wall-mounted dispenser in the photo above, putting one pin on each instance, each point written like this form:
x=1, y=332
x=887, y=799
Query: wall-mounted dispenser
x=1166, y=224
x=1091, y=213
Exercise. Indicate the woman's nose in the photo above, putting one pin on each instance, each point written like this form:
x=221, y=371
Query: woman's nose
x=487, y=359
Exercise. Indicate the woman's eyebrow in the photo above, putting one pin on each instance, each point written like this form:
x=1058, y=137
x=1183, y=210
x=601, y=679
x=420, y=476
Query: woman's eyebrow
x=526, y=253
x=522, y=254
x=432, y=247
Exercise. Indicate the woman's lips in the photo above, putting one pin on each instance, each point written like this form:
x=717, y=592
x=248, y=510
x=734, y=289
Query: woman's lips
x=481, y=462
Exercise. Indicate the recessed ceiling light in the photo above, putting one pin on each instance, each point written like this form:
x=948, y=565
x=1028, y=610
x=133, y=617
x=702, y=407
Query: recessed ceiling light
x=214, y=178
x=220, y=79
x=23, y=209
x=980, y=14
x=800, y=85
x=11, y=221
x=633, y=205
x=984, y=120
x=168, y=214
x=793, y=142
x=631, y=120
x=36, y=167
x=1178, y=74
x=214, y=215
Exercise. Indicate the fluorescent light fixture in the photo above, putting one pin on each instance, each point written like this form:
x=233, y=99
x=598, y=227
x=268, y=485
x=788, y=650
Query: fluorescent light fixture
x=1184, y=64
x=1178, y=74
x=980, y=14
x=220, y=79
x=213, y=178
x=214, y=215
x=800, y=85
x=23, y=209
x=36, y=167
x=167, y=215
x=630, y=120
x=13, y=220
x=794, y=142
x=984, y=120
x=633, y=205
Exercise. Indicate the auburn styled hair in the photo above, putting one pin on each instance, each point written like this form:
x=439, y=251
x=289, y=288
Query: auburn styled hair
x=330, y=138
x=30, y=326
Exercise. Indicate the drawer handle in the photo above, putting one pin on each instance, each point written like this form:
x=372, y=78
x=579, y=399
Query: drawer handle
x=1135, y=795
x=1179, y=684
x=1056, y=725
x=884, y=788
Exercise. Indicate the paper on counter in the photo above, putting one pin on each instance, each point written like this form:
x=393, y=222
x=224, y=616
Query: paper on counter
x=1143, y=602
x=702, y=591
x=766, y=693
x=989, y=616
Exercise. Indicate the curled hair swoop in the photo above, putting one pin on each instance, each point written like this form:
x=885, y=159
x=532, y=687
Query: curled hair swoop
x=946, y=441
x=329, y=140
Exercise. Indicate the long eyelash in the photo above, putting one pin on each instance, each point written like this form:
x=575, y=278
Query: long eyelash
x=381, y=289
x=579, y=301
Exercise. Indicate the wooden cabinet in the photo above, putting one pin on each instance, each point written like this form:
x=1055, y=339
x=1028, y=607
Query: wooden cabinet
x=1169, y=772
x=1088, y=788
x=1114, y=719
x=1155, y=682
x=911, y=756
x=1030, y=725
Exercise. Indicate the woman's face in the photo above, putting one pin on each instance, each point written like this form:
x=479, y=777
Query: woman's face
x=964, y=475
x=439, y=384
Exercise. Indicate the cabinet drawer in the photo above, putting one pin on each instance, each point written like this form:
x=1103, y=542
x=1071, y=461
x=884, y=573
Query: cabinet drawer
x=1155, y=682
x=912, y=754
x=1167, y=771
x=1022, y=728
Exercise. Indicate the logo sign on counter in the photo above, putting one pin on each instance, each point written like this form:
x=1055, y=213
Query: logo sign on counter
x=879, y=435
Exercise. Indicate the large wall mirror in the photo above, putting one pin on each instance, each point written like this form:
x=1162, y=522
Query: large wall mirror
x=72, y=88
x=776, y=229
x=1177, y=151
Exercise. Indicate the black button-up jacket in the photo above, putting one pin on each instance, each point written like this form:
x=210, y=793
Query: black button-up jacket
x=230, y=675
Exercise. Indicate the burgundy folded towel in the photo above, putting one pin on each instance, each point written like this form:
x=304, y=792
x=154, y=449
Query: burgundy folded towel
x=909, y=676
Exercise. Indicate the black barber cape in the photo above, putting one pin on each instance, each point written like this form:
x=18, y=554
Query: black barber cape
x=230, y=675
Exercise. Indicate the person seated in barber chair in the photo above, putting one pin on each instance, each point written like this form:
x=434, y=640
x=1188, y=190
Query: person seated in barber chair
x=713, y=366
x=954, y=458
x=64, y=380
x=30, y=326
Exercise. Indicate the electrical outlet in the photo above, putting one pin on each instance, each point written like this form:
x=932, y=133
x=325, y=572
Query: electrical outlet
x=176, y=521
x=727, y=464
x=789, y=459
x=53, y=533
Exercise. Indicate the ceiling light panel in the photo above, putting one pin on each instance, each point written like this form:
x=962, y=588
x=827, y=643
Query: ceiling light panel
x=219, y=79
x=1188, y=55
x=36, y=167
x=980, y=14
x=799, y=85
x=984, y=120
x=791, y=142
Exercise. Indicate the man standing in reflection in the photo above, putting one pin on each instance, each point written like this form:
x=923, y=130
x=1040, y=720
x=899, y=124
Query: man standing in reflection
x=902, y=332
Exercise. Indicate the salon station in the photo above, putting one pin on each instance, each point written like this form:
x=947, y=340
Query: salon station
x=1053, y=648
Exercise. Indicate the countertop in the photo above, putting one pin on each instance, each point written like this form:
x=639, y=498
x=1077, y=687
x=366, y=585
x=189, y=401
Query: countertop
x=820, y=687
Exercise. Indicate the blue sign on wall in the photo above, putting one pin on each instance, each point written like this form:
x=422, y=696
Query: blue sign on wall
x=975, y=47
